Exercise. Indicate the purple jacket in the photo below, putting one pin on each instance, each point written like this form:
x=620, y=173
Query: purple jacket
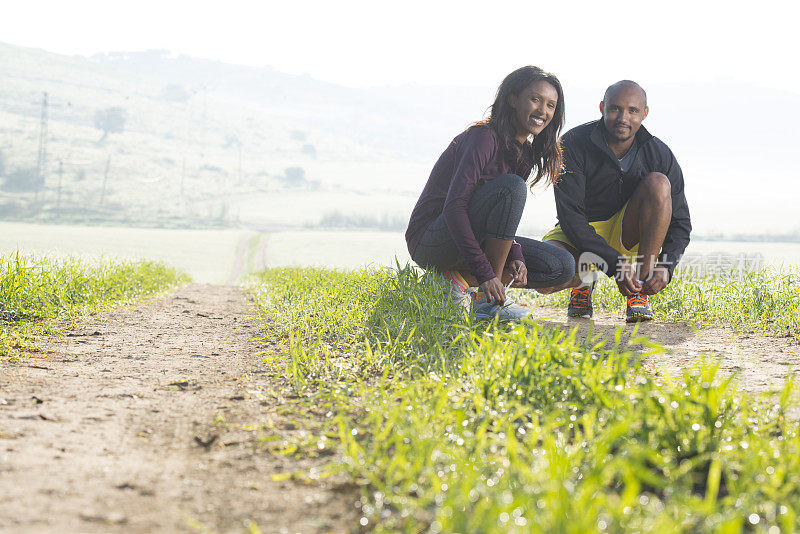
x=473, y=158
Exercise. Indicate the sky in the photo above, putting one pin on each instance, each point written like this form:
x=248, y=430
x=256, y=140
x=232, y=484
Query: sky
x=368, y=43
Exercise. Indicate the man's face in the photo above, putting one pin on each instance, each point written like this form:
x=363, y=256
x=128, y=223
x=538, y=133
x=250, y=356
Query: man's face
x=623, y=112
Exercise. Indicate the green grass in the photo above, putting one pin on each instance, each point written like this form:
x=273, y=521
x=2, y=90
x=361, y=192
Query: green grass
x=35, y=291
x=767, y=300
x=451, y=426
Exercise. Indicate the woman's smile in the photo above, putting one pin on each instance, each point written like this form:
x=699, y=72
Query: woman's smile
x=534, y=107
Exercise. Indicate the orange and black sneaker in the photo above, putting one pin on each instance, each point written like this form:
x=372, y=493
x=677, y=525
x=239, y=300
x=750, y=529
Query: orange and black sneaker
x=638, y=309
x=580, y=302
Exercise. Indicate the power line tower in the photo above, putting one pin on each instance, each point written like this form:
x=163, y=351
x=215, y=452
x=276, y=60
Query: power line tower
x=41, y=163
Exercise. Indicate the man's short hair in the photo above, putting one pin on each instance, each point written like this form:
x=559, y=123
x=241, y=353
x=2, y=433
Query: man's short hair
x=624, y=83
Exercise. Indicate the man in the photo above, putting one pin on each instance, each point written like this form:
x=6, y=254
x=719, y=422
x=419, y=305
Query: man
x=620, y=201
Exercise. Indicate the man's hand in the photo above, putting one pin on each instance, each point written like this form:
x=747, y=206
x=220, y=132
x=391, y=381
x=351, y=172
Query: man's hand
x=659, y=278
x=494, y=291
x=520, y=273
x=626, y=279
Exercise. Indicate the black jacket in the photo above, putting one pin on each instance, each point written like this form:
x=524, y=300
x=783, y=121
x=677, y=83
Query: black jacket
x=594, y=188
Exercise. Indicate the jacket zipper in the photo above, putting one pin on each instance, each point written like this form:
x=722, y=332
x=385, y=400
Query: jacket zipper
x=621, y=174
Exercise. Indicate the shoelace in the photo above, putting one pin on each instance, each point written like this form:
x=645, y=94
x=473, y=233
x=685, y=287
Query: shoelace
x=579, y=298
x=637, y=299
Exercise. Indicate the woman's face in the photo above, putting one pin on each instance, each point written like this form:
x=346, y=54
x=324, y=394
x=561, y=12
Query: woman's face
x=534, y=108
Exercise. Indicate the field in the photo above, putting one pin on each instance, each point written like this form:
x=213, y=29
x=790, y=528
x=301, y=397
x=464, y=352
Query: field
x=207, y=255
x=225, y=256
x=210, y=256
x=451, y=426
x=360, y=393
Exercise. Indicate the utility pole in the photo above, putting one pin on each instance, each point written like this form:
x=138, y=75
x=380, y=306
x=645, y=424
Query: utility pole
x=60, y=174
x=41, y=163
x=105, y=180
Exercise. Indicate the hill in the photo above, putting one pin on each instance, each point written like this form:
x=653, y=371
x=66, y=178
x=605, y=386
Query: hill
x=203, y=143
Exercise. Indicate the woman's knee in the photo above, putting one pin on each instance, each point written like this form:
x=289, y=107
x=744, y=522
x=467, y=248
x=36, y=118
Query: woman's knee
x=514, y=184
x=565, y=263
x=549, y=267
x=513, y=191
x=496, y=208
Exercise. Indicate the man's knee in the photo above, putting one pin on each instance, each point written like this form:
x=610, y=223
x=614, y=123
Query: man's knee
x=658, y=187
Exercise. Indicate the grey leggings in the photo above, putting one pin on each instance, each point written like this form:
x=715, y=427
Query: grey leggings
x=494, y=210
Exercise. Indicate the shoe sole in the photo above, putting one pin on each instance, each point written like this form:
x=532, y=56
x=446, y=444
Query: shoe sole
x=580, y=315
x=638, y=318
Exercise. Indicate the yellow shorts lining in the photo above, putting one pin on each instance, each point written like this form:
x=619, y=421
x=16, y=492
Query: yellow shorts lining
x=610, y=230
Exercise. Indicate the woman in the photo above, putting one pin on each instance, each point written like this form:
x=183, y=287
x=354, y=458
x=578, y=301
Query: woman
x=464, y=224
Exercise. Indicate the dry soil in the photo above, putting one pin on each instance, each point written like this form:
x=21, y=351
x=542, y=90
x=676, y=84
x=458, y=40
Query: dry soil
x=147, y=419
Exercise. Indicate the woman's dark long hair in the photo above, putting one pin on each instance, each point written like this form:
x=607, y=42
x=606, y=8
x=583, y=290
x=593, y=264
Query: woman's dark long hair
x=545, y=152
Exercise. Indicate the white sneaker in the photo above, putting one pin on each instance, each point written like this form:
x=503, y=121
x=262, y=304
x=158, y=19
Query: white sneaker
x=510, y=310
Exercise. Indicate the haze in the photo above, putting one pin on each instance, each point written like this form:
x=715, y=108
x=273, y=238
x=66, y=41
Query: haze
x=373, y=94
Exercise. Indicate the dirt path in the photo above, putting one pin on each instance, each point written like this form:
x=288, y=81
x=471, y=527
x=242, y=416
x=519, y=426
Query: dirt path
x=762, y=362
x=250, y=256
x=147, y=419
